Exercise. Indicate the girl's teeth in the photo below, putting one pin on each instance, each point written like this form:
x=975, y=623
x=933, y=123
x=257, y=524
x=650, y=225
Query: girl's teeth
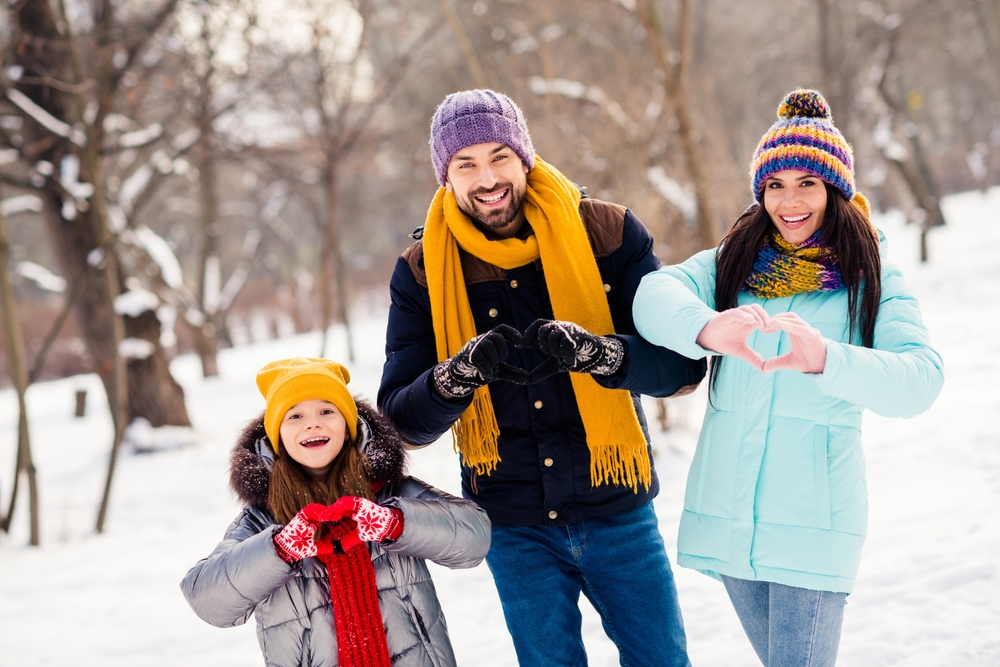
x=799, y=218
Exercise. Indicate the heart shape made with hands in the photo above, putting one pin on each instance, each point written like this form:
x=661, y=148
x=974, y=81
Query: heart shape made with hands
x=727, y=334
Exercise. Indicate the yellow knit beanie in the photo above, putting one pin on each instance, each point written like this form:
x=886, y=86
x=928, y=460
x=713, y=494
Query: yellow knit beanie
x=286, y=382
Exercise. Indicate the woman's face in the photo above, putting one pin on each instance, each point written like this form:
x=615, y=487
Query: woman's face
x=313, y=434
x=796, y=201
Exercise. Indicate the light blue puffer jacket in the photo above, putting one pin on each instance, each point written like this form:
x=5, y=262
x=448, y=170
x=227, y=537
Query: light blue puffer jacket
x=776, y=490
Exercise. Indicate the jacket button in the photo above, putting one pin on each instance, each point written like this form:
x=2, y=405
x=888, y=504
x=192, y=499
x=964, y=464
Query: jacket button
x=607, y=287
x=494, y=312
x=548, y=463
x=538, y=405
x=513, y=284
x=553, y=514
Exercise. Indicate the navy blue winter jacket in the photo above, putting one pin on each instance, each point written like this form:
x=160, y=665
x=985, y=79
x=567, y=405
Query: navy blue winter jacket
x=544, y=472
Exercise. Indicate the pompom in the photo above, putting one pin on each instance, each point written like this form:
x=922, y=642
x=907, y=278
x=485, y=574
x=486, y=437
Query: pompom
x=804, y=103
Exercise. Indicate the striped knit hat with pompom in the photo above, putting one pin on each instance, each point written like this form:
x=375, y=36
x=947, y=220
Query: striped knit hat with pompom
x=804, y=138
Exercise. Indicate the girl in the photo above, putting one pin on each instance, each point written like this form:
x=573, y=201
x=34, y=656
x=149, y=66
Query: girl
x=776, y=504
x=329, y=551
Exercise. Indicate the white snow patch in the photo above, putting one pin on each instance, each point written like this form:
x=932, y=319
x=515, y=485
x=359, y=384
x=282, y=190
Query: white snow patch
x=21, y=204
x=160, y=252
x=144, y=438
x=41, y=276
x=135, y=302
x=136, y=348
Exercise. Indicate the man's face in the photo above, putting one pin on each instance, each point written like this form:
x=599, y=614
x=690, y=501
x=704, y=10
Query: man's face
x=489, y=182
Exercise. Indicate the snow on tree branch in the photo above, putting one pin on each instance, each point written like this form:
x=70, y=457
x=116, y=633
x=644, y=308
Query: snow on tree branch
x=576, y=90
x=41, y=276
x=142, y=137
x=45, y=119
x=681, y=197
x=20, y=204
x=135, y=302
x=162, y=255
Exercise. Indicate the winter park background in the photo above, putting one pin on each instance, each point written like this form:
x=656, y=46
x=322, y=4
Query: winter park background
x=928, y=594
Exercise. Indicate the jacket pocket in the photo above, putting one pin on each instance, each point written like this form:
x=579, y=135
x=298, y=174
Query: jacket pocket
x=821, y=460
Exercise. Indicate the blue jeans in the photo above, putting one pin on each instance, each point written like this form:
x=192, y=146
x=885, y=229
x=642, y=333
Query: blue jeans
x=619, y=564
x=788, y=626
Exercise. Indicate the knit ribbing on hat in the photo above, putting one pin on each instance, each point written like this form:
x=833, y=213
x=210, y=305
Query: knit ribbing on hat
x=475, y=117
x=804, y=138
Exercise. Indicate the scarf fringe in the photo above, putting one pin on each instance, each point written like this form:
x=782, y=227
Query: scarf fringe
x=476, y=433
x=621, y=464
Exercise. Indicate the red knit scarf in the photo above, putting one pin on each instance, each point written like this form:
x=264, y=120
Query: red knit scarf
x=357, y=618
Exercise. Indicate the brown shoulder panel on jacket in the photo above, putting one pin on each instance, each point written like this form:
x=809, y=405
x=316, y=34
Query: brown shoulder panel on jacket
x=414, y=256
x=474, y=269
x=605, y=223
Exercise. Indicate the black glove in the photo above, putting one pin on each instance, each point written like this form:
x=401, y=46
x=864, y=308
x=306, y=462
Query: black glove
x=480, y=361
x=573, y=348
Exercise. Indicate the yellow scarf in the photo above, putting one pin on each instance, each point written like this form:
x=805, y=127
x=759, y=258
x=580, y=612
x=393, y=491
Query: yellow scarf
x=552, y=207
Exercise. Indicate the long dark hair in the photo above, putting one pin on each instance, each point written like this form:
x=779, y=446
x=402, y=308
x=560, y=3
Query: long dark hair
x=292, y=487
x=846, y=231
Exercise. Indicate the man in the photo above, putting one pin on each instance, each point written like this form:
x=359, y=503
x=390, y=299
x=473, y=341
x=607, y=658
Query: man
x=554, y=446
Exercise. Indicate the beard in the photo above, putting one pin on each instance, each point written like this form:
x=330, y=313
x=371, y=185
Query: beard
x=498, y=218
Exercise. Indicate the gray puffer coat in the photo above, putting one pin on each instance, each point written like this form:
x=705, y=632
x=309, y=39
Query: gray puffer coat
x=291, y=603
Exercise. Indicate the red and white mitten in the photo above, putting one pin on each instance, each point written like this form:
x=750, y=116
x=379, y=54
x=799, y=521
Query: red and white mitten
x=375, y=523
x=297, y=540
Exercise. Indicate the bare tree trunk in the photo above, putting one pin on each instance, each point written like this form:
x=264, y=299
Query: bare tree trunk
x=159, y=406
x=676, y=80
x=205, y=341
x=836, y=82
x=916, y=171
x=19, y=375
x=331, y=267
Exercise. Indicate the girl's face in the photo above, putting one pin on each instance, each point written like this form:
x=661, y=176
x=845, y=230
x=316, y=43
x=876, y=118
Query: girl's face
x=796, y=201
x=313, y=434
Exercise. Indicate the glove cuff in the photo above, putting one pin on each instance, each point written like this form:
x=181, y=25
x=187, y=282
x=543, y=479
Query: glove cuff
x=283, y=553
x=395, y=526
x=612, y=356
x=446, y=383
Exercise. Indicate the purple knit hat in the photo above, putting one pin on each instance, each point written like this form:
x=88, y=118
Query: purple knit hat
x=477, y=117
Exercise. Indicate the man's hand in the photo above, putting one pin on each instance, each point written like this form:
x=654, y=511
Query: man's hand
x=479, y=362
x=574, y=348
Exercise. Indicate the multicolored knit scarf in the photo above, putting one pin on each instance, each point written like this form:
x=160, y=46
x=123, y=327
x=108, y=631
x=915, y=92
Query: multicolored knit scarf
x=783, y=269
x=357, y=618
x=617, y=445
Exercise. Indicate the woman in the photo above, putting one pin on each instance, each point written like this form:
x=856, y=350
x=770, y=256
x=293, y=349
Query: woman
x=809, y=326
x=328, y=553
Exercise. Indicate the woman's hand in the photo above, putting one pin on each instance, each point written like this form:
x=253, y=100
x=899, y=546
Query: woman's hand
x=727, y=333
x=808, y=353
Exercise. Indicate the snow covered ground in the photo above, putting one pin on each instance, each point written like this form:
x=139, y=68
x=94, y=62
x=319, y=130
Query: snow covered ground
x=928, y=593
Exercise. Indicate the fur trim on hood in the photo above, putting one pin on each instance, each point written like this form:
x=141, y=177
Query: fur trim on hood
x=250, y=462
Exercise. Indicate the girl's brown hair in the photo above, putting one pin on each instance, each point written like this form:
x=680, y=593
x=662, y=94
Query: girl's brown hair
x=292, y=487
x=846, y=231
